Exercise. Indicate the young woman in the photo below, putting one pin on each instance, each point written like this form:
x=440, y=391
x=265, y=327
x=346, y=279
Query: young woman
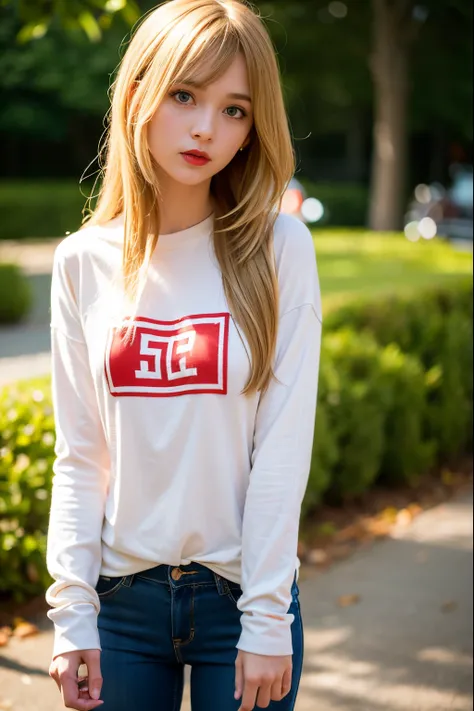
x=186, y=327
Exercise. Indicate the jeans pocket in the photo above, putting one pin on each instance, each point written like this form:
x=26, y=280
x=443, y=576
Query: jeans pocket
x=234, y=592
x=106, y=587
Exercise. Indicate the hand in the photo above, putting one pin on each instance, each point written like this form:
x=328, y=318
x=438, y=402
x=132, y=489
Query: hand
x=261, y=679
x=64, y=670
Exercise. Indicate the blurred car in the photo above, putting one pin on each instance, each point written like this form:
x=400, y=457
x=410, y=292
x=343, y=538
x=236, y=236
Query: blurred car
x=446, y=213
x=457, y=221
x=297, y=203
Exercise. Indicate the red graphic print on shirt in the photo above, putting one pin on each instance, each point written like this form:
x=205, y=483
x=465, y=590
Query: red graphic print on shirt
x=169, y=358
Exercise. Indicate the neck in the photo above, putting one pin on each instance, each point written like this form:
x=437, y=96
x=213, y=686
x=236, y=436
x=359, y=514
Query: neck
x=183, y=206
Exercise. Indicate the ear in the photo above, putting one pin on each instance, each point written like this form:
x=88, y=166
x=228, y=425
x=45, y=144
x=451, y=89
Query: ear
x=249, y=138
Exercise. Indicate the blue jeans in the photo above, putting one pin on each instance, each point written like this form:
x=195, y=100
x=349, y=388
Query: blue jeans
x=153, y=623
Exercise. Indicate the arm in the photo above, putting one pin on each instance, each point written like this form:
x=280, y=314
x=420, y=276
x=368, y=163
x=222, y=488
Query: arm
x=80, y=477
x=280, y=470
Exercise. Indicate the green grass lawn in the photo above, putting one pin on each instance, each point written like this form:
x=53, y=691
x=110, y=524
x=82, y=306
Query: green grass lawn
x=361, y=263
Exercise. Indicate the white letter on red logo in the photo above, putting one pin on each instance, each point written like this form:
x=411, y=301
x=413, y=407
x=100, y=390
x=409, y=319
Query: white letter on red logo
x=183, y=372
x=145, y=372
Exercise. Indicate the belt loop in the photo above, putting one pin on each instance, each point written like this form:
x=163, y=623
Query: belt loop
x=129, y=580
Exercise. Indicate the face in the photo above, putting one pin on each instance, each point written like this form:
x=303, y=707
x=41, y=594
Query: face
x=214, y=120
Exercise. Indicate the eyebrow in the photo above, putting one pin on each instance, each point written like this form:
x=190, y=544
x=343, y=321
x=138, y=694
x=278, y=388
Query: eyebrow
x=240, y=97
x=236, y=96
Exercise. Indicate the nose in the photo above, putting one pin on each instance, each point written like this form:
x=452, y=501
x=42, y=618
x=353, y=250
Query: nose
x=203, y=128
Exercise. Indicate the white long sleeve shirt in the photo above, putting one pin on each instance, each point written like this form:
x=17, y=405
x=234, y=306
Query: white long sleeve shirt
x=159, y=457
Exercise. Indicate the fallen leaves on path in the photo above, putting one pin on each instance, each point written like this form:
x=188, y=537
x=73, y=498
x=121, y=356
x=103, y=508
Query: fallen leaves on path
x=348, y=600
x=5, y=634
x=334, y=533
x=23, y=628
x=449, y=606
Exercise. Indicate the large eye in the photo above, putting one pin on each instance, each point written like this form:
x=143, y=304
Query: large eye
x=182, y=97
x=235, y=112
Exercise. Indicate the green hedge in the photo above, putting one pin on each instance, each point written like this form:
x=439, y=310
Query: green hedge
x=26, y=459
x=346, y=204
x=52, y=208
x=40, y=209
x=395, y=398
x=436, y=328
x=15, y=294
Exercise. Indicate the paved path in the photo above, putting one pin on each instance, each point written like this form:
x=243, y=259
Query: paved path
x=407, y=645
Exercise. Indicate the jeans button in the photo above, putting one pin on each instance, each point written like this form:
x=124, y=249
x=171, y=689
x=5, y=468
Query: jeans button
x=176, y=574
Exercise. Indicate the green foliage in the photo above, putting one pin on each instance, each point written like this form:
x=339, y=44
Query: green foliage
x=345, y=204
x=34, y=209
x=26, y=459
x=356, y=406
x=436, y=328
x=88, y=16
x=407, y=452
x=15, y=294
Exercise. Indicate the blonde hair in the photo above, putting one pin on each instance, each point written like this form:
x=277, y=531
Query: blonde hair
x=197, y=40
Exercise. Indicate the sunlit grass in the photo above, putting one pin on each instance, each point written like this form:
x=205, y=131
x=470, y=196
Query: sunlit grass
x=361, y=263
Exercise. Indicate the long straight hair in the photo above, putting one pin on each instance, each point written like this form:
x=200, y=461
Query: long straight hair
x=196, y=41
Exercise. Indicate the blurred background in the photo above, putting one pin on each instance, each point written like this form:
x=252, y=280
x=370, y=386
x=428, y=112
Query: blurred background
x=379, y=94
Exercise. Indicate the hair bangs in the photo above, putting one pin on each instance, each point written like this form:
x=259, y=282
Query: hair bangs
x=209, y=56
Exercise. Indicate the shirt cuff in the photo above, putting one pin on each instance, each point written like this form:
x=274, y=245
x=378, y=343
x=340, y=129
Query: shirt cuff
x=266, y=636
x=75, y=629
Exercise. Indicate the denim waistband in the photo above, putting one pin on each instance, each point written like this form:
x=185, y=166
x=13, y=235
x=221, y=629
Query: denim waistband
x=179, y=576
x=192, y=574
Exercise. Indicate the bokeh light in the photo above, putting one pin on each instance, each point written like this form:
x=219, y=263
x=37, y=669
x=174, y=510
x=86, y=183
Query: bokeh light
x=423, y=194
x=312, y=210
x=338, y=9
x=412, y=232
x=427, y=228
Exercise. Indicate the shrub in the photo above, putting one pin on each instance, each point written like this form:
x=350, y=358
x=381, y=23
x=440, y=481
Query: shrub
x=324, y=455
x=408, y=453
x=40, y=209
x=15, y=294
x=436, y=328
x=356, y=404
x=26, y=458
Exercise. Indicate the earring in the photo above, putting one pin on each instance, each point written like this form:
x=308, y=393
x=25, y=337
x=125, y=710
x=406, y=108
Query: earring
x=242, y=149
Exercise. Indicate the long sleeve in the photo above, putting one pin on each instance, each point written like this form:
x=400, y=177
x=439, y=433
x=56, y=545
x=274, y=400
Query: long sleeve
x=80, y=481
x=280, y=471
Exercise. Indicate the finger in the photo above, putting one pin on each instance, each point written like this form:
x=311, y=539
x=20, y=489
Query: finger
x=287, y=682
x=276, y=691
x=71, y=698
x=239, y=679
x=94, y=675
x=249, y=696
x=264, y=696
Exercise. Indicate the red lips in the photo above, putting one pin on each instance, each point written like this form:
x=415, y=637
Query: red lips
x=198, y=154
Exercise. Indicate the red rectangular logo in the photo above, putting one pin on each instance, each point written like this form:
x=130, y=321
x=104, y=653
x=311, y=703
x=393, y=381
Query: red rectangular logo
x=169, y=358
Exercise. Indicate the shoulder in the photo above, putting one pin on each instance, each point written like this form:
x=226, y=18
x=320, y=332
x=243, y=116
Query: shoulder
x=296, y=264
x=293, y=240
x=86, y=244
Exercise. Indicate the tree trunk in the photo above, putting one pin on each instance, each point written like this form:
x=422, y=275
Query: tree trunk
x=389, y=65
